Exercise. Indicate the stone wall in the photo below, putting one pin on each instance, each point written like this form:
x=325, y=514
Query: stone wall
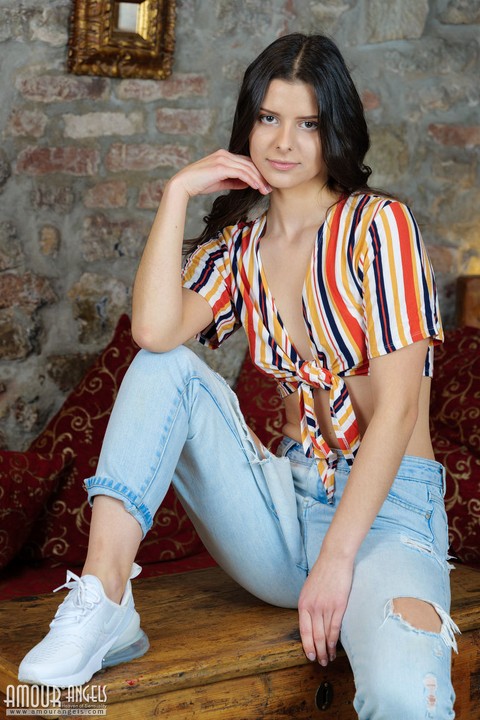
x=83, y=161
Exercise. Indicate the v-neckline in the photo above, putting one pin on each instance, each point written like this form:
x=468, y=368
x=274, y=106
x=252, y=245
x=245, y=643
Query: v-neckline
x=260, y=231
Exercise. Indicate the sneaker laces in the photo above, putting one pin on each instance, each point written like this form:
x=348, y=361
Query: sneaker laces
x=83, y=596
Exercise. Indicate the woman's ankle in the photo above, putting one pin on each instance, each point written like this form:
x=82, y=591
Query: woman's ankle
x=113, y=581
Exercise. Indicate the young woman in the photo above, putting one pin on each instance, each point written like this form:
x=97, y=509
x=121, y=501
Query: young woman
x=333, y=286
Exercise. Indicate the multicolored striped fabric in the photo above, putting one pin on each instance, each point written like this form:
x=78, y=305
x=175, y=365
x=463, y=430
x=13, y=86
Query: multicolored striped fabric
x=369, y=290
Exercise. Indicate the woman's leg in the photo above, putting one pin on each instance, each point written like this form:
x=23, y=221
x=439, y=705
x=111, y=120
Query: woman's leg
x=396, y=629
x=175, y=418
x=114, y=533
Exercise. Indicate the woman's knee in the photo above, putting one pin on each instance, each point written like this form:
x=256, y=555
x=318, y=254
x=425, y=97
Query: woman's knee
x=172, y=367
x=148, y=361
x=403, y=669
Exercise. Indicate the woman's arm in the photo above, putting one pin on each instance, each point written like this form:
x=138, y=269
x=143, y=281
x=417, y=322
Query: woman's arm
x=395, y=380
x=164, y=315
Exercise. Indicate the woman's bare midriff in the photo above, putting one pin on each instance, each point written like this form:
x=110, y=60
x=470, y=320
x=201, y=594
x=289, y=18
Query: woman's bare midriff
x=359, y=389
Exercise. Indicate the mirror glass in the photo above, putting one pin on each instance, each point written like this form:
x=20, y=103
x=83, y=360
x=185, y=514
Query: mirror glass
x=127, y=17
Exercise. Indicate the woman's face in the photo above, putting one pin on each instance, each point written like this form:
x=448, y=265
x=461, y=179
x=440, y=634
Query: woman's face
x=285, y=142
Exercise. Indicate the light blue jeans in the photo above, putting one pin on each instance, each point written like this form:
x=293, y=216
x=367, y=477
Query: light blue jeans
x=264, y=518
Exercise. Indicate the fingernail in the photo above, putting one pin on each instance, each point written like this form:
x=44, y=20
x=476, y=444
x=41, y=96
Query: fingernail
x=323, y=662
x=332, y=657
x=267, y=188
x=311, y=656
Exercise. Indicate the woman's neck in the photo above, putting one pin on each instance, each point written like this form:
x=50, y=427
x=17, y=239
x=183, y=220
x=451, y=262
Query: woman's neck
x=292, y=211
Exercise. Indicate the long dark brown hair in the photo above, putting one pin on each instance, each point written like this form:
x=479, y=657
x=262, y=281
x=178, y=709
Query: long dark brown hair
x=315, y=60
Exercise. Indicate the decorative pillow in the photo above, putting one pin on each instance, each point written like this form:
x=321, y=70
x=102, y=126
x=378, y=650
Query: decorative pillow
x=26, y=481
x=77, y=432
x=462, y=499
x=455, y=402
x=260, y=403
x=455, y=424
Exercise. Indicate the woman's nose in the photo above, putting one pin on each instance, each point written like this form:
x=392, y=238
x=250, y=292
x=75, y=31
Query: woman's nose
x=284, y=138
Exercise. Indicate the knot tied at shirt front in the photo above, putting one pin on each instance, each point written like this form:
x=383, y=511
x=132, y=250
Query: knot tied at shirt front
x=314, y=374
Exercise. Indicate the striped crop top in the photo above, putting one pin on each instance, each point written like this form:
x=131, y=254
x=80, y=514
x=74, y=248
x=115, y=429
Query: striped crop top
x=369, y=290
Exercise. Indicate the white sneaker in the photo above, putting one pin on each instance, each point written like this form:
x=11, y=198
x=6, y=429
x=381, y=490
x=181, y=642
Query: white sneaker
x=89, y=632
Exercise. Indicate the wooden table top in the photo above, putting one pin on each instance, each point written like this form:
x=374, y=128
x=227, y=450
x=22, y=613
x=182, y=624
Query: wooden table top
x=203, y=628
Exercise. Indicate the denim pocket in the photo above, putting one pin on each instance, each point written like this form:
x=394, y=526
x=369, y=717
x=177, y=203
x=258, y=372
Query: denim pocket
x=409, y=508
x=416, y=498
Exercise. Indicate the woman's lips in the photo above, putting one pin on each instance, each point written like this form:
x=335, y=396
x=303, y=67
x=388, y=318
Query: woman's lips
x=280, y=165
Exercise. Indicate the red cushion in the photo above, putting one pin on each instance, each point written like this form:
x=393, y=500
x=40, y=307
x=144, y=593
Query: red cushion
x=26, y=481
x=260, y=403
x=76, y=432
x=455, y=423
x=22, y=580
x=455, y=402
x=462, y=499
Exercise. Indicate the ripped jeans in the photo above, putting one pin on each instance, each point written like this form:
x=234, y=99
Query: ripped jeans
x=264, y=518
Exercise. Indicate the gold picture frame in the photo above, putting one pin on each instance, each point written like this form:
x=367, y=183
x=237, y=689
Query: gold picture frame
x=131, y=39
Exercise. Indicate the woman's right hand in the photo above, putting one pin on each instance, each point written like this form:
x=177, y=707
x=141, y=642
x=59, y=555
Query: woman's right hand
x=222, y=170
x=163, y=314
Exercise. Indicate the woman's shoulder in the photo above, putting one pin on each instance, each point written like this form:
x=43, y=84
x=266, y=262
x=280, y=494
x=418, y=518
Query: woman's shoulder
x=227, y=240
x=242, y=228
x=371, y=201
x=366, y=208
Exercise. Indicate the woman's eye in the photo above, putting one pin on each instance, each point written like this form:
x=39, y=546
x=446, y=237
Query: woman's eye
x=310, y=124
x=267, y=119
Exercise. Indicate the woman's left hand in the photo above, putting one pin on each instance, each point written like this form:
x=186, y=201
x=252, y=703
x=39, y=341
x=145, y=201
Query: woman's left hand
x=321, y=607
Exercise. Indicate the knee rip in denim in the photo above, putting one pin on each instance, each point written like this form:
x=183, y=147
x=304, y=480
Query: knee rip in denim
x=423, y=616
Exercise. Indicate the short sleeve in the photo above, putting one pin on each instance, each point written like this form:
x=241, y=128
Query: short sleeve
x=208, y=272
x=400, y=301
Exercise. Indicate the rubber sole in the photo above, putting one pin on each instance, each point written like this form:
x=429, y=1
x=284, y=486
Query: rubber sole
x=120, y=655
x=131, y=643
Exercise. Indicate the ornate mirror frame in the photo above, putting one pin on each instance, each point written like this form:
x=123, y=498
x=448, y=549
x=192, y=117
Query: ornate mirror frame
x=131, y=39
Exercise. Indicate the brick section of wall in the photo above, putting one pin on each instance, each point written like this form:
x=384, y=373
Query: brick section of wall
x=142, y=157
x=444, y=258
x=97, y=300
x=108, y=239
x=458, y=135
x=370, y=100
x=151, y=194
x=16, y=332
x=49, y=197
x=176, y=121
x=178, y=86
x=27, y=123
x=62, y=88
x=11, y=254
x=26, y=290
x=401, y=20
x=49, y=240
x=107, y=123
x=106, y=195
x=67, y=160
